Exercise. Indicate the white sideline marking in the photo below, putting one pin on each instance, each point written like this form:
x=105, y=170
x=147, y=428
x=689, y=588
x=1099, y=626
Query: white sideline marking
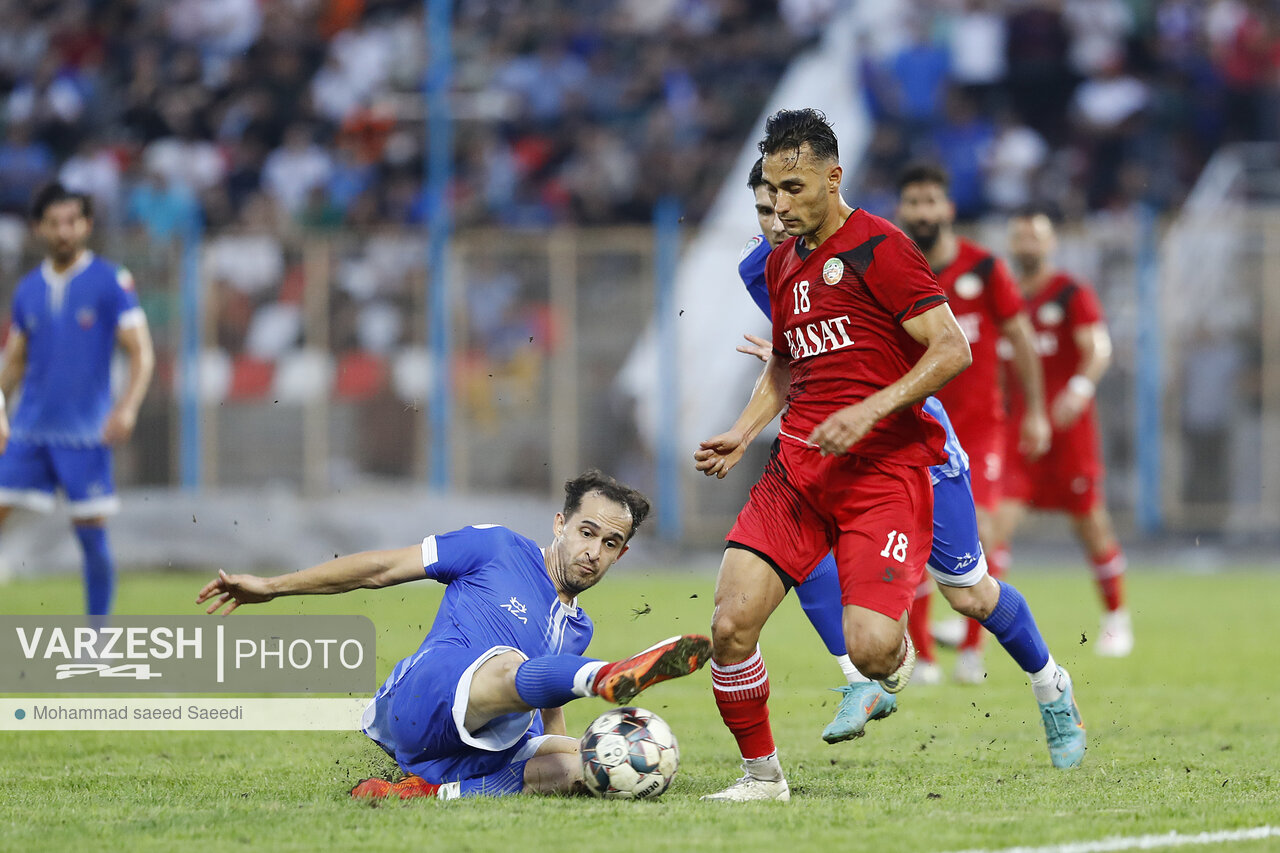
x=1144, y=842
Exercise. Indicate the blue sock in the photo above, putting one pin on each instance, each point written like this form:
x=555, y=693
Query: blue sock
x=500, y=783
x=1015, y=628
x=820, y=599
x=99, y=571
x=547, y=682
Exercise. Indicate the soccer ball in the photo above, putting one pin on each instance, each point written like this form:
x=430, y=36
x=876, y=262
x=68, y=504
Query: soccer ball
x=629, y=754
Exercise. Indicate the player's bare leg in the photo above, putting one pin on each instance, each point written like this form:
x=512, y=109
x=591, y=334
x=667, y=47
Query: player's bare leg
x=1097, y=536
x=879, y=646
x=748, y=590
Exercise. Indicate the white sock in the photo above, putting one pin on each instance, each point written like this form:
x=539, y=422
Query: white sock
x=583, y=678
x=1046, y=684
x=850, y=671
x=767, y=769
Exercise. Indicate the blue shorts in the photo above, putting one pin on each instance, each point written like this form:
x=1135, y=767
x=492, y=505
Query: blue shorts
x=417, y=718
x=957, y=558
x=30, y=474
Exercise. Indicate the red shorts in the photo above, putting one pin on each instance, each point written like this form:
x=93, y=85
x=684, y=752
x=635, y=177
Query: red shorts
x=986, y=451
x=1068, y=478
x=877, y=517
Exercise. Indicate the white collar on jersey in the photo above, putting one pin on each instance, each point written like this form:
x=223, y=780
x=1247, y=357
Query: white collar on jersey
x=58, y=281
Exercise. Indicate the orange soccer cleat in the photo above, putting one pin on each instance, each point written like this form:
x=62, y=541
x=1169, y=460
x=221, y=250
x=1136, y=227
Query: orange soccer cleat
x=621, y=681
x=407, y=788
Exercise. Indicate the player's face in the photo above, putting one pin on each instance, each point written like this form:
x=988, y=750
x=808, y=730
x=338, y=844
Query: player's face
x=770, y=225
x=923, y=212
x=804, y=189
x=590, y=541
x=64, y=229
x=1031, y=243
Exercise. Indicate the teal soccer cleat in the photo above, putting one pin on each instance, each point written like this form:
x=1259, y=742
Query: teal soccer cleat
x=861, y=703
x=1063, y=727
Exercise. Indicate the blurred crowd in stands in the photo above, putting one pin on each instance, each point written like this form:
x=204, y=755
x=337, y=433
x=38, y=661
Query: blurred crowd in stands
x=1086, y=105
x=584, y=111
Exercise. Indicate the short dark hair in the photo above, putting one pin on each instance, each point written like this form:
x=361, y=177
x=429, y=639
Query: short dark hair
x=924, y=173
x=787, y=130
x=56, y=193
x=756, y=178
x=597, y=481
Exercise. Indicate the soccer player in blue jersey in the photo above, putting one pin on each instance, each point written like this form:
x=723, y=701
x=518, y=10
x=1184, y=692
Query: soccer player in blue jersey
x=461, y=714
x=957, y=562
x=69, y=315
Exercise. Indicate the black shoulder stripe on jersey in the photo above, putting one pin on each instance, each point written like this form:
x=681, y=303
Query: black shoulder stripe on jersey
x=984, y=267
x=919, y=305
x=859, y=258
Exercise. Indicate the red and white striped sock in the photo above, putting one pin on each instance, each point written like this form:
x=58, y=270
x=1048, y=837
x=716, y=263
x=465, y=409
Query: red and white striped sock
x=742, y=695
x=1108, y=571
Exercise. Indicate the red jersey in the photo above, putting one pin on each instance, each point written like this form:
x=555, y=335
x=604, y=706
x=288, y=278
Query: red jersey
x=983, y=297
x=837, y=317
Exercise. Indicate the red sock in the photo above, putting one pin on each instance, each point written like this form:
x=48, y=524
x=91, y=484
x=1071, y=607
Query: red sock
x=742, y=695
x=975, y=635
x=918, y=622
x=1108, y=571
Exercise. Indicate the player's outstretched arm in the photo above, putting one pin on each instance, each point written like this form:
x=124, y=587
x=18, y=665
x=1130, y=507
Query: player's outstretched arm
x=1034, y=431
x=946, y=354
x=366, y=570
x=717, y=455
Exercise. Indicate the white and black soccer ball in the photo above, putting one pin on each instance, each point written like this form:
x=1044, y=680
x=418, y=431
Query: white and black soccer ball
x=629, y=754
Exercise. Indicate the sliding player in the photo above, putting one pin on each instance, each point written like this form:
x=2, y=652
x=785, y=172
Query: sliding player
x=461, y=714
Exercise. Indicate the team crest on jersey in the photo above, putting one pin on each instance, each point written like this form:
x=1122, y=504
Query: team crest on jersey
x=750, y=247
x=968, y=286
x=833, y=271
x=86, y=317
x=1050, y=314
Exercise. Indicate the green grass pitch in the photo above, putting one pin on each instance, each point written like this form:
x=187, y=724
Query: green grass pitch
x=1184, y=735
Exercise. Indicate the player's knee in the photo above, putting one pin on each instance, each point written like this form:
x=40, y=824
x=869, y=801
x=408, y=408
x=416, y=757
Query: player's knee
x=876, y=654
x=977, y=601
x=734, y=634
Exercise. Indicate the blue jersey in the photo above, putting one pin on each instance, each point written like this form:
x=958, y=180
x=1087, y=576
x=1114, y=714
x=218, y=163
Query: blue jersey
x=70, y=323
x=751, y=271
x=499, y=594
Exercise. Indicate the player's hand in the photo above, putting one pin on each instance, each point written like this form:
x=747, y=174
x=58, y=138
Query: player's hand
x=1035, y=435
x=1067, y=408
x=119, y=426
x=843, y=429
x=760, y=347
x=234, y=589
x=4, y=430
x=717, y=456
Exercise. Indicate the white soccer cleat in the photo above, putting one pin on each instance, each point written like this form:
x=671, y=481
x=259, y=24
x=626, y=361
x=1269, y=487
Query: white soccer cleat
x=969, y=668
x=898, y=679
x=1115, y=637
x=927, y=674
x=949, y=632
x=749, y=788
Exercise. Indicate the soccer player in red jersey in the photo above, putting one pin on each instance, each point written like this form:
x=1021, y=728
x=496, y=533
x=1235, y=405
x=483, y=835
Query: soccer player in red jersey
x=1075, y=350
x=987, y=305
x=861, y=335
